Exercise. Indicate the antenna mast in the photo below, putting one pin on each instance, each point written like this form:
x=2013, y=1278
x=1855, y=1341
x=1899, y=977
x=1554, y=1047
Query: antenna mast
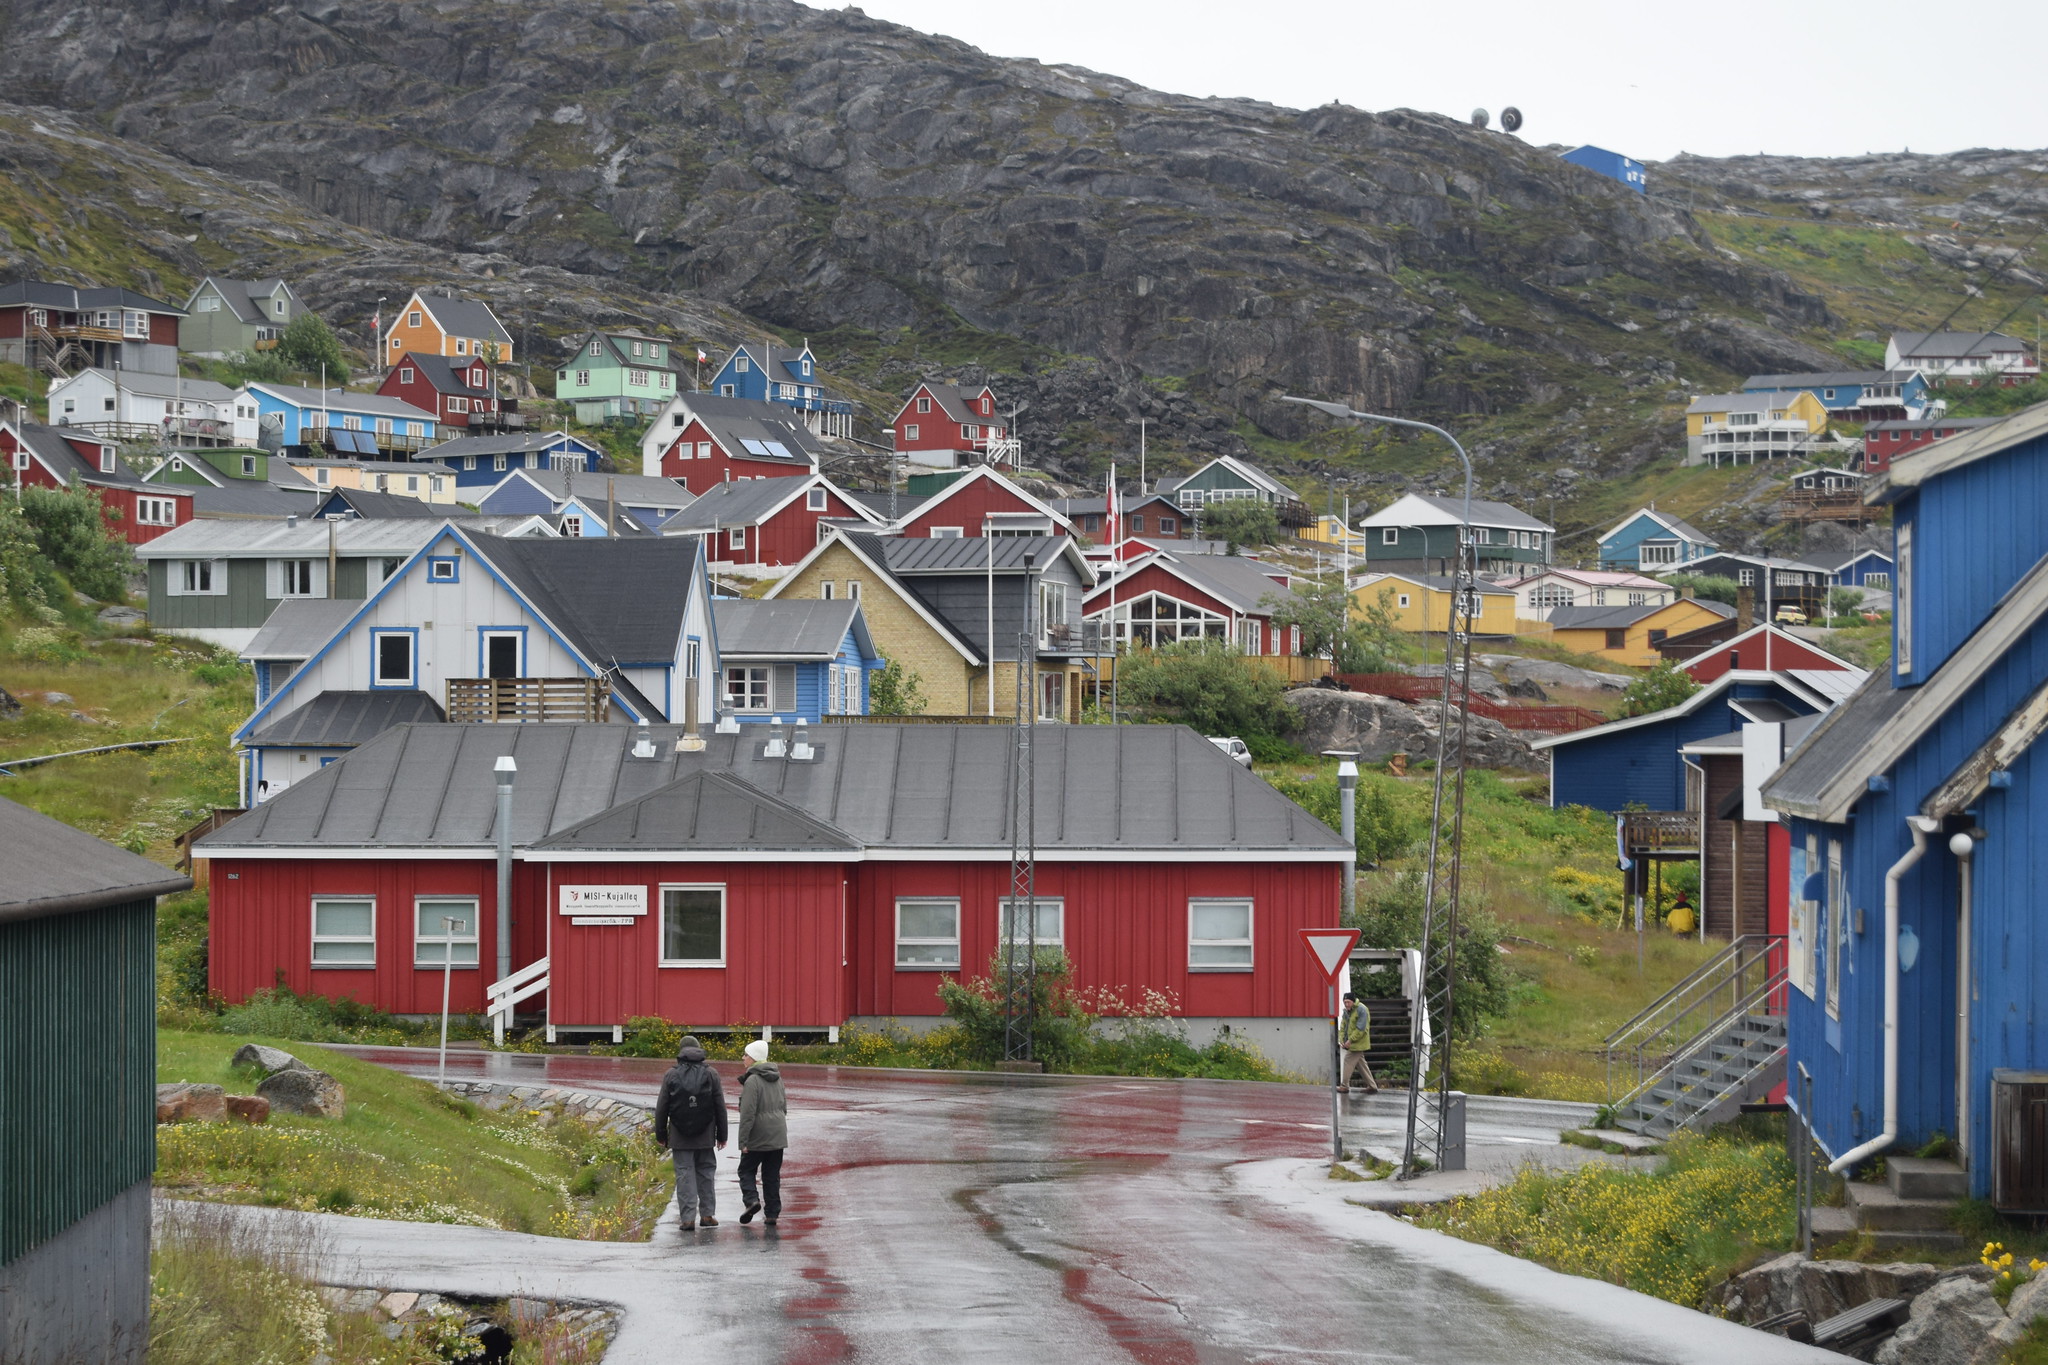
x=1020, y=958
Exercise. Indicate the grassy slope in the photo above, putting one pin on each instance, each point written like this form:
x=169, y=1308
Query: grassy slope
x=404, y=1151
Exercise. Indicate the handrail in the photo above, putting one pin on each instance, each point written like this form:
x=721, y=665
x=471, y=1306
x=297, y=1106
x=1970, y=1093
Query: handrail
x=1712, y=964
x=538, y=967
x=1706, y=1037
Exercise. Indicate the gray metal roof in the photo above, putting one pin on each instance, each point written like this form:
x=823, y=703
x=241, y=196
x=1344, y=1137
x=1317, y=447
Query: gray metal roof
x=71, y=298
x=1953, y=345
x=1449, y=511
x=343, y=400
x=738, y=502
x=960, y=554
x=1231, y=579
x=375, y=506
x=1836, y=743
x=64, y=460
x=1616, y=618
x=733, y=422
x=240, y=296
x=160, y=385
x=449, y=373
x=1762, y=400
x=511, y=443
x=619, y=600
x=934, y=786
x=298, y=626
x=639, y=490
x=49, y=868
x=466, y=318
x=246, y=500
x=704, y=810
x=218, y=540
x=1934, y=424
x=784, y=628
x=343, y=720
x=1822, y=379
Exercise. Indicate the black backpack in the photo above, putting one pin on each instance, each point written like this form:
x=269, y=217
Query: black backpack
x=693, y=1109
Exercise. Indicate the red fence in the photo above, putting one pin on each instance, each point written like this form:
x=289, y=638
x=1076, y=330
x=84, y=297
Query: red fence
x=1557, y=720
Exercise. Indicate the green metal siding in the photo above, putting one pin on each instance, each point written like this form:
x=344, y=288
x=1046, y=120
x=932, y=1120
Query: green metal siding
x=245, y=603
x=77, y=1067
x=1217, y=476
x=188, y=477
x=349, y=577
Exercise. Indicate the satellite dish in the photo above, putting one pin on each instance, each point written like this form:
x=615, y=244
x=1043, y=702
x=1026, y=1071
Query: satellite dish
x=1479, y=118
x=1510, y=119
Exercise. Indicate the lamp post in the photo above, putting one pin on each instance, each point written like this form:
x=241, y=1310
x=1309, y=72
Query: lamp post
x=448, y=923
x=1342, y=412
x=1347, y=820
x=890, y=432
x=505, y=771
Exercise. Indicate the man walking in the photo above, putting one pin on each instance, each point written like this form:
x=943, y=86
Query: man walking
x=1355, y=1033
x=689, y=1119
x=764, y=1132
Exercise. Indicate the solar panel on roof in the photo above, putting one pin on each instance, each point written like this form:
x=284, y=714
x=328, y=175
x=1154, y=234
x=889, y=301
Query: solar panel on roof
x=777, y=448
x=360, y=442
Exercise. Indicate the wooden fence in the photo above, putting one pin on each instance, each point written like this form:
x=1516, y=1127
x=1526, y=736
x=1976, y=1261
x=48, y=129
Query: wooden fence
x=528, y=700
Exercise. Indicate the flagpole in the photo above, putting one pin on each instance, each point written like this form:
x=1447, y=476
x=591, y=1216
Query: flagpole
x=1116, y=540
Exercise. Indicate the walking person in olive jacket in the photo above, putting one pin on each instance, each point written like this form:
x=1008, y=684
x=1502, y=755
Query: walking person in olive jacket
x=1356, y=1037
x=764, y=1132
x=689, y=1119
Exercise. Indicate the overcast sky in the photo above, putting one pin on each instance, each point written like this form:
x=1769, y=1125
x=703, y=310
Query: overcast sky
x=1647, y=79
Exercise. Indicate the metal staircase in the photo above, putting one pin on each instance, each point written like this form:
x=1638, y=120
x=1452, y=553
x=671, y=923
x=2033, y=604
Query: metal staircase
x=1710, y=1044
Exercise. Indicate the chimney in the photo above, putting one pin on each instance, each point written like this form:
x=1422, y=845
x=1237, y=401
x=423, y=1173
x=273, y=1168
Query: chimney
x=1745, y=608
x=292, y=520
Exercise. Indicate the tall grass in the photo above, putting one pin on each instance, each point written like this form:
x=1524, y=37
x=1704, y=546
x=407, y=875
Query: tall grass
x=222, y=1289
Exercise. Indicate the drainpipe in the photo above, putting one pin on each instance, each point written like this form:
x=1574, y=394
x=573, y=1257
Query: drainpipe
x=504, y=772
x=1921, y=826
x=1963, y=847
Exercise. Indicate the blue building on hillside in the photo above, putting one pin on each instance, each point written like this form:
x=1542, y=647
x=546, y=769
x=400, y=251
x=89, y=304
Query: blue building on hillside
x=1635, y=762
x=366, y=424
x=769, y=373
x=792, y=660
x=1613, y=165
x=588, y=504
x=484, y=461
x=1860, y=395
x=1870, y=568
x=1649, y=541
x=1918, y=821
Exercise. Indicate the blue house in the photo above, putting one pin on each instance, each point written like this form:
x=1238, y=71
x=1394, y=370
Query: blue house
x=1871, y=568
x=1613, y=165
x=484, y=461
x=769, y=373
x=793, y=660
x=586, y=505
x=1649, y=541
x=289, y=415
x=1859, y=395
x=1636, y=762
x=1918, y=952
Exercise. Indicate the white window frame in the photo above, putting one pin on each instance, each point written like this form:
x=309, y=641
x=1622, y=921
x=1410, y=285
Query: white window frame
x=825, y=590
x=947, y=532
x=926, y=940
x=1006, y=911
x=661, y=926
x=1390, y=535
x=1247, y=943
x=745, y=676
x=910, y=431
x=1837, y=928
x=412, y=655
x=300, y=578
x=736, y=538
x=853, y=590
x=405, y=374
x=572, y=526
x=320, y=940
x=197, y=578
x=924, y=404
x=427, y=947
x=1902, y=599
x=814, y=500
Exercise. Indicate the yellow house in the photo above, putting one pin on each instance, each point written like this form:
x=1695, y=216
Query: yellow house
x=1329, y=530
x=1630, y=635
x=1422, y=603
x=1765, y=425
x=433, y=324
x=428, y=483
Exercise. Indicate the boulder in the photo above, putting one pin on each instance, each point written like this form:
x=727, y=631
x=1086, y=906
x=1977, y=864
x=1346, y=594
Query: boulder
x=2029, y=1301
x=1948, y=1325
x=57, y=699
x=1528, y=689
x=182, y=1102
x=248, y=1108
x=10, y=709
x=122, y=616
x=1512, y=668
x=1379, y=727
x=1484, y=682
x=299, y=1091
x=268, y=1060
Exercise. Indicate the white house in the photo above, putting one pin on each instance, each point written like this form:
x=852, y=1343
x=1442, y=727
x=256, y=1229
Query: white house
x=131, y=405
x=1968, y=356
x=1538, y=594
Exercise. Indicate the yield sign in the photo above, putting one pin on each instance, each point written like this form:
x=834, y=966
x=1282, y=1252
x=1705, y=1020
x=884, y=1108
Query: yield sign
x=1332, y=948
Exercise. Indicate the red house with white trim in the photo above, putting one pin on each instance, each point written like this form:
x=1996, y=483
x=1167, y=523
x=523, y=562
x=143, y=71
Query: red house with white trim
x=947, y=425
x=1164, y=597
x=702, y=440
x=767, y=521
x=38, y=456
x=982, y=497
x=456, y=389
x=1768, y=649
x=799, y=882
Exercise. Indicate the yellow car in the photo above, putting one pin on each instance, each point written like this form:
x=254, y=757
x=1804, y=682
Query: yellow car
x=1790, y=616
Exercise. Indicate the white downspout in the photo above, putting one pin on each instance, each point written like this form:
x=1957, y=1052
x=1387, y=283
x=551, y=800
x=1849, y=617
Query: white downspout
x=1964, y=849
x=1921, y=826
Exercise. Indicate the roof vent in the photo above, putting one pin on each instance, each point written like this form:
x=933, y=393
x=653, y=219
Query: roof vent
x=800, y=750
x=643, y=743
x=728, y=724
x=775, y=747
x=292, y=520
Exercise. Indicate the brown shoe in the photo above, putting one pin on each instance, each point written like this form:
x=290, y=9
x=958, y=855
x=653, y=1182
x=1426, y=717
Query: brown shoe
x=689, y=1225
x=707, y=1221
x=1343, y=1089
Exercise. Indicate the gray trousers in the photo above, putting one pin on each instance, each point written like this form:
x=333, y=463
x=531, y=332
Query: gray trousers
x=696, y=1182
x=1354, y=1062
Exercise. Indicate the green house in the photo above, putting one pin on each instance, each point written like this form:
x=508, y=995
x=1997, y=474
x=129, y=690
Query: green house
x=77, y=1091
x=613, y=375
x=237, y=315
x=1228, y=479
x=1419, y=534
x=209, y=468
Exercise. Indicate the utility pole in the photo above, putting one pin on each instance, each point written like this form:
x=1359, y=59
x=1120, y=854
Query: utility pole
x=1020, y=960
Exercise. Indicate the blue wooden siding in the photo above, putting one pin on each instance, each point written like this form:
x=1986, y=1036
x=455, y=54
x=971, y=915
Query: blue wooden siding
x=1620, y=550
x=1970, y=546
x=514, y=497
x=2011, y=945
x=1641, y=765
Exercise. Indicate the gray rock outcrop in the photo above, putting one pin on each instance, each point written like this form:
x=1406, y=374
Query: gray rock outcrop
x=1379, y=727
x=1948, y=1326
x=1550, y=673
x=268, y=1060
x=299, y=1091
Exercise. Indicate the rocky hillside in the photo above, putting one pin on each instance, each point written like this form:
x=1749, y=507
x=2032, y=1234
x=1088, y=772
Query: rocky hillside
x=915, y=206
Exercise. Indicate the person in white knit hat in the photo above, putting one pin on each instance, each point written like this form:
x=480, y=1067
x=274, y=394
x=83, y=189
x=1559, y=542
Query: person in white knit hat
x=764, y=1132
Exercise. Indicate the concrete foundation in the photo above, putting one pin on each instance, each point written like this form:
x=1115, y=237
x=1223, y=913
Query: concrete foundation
x=82, y=1298
x=1298, y=1046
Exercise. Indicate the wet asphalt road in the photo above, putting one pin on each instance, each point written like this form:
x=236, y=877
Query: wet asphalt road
x=950, y=1217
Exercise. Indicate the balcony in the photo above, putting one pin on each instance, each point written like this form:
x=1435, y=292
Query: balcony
x=72, y=331
x=1661, y=833
x=527, y=701
x=497, y=421
x=1088, y=638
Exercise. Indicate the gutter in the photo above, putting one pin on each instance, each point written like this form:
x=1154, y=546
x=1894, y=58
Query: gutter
x=99, y=899
x=1921, y=826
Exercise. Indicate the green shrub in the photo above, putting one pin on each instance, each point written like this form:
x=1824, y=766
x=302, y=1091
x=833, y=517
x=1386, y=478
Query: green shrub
x=281, y=1012
x=1206, y=684
x=71, y=532
x=1239, y=523
x=1383, y=830
x=649, y=1035
x=894, y=690
x=1391, y=917
x=1662, y=688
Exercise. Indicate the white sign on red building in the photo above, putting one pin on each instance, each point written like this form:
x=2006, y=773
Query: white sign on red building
x=604, y=900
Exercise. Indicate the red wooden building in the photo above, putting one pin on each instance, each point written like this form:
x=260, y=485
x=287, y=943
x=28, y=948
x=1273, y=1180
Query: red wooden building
x=456, y=389
x=839, y=881
x=43, y=324
x=1884, y=442
x=39, y=456
x=767, y=521
x=982, y=498
x=947, y=424
x=1164, y=597
x=1765, y=649
x=702, y=440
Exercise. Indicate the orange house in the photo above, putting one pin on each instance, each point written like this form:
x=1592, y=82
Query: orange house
x=433, y=324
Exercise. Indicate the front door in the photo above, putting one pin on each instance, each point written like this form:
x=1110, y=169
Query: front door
x=501, y=656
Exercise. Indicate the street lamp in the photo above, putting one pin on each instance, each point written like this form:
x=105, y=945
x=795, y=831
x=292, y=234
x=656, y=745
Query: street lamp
x=1343, y=413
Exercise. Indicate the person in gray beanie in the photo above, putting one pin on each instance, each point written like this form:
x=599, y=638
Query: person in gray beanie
x=689, y=1119
x=764, y=1132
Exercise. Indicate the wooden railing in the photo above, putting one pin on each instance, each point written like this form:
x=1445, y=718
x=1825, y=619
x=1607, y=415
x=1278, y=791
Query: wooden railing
x=183, y=842
x=528, y=701
x=1660, y=831
x=83, y=333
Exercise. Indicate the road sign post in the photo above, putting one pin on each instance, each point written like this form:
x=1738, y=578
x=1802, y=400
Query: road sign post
x=1331, y=948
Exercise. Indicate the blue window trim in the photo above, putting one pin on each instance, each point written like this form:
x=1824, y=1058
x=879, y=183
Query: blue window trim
x=411, y=684
x=483, y=634
x=326, y=759
x=454, y=562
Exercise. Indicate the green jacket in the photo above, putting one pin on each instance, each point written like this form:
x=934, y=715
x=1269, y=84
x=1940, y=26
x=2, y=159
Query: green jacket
x=1357, y=1029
